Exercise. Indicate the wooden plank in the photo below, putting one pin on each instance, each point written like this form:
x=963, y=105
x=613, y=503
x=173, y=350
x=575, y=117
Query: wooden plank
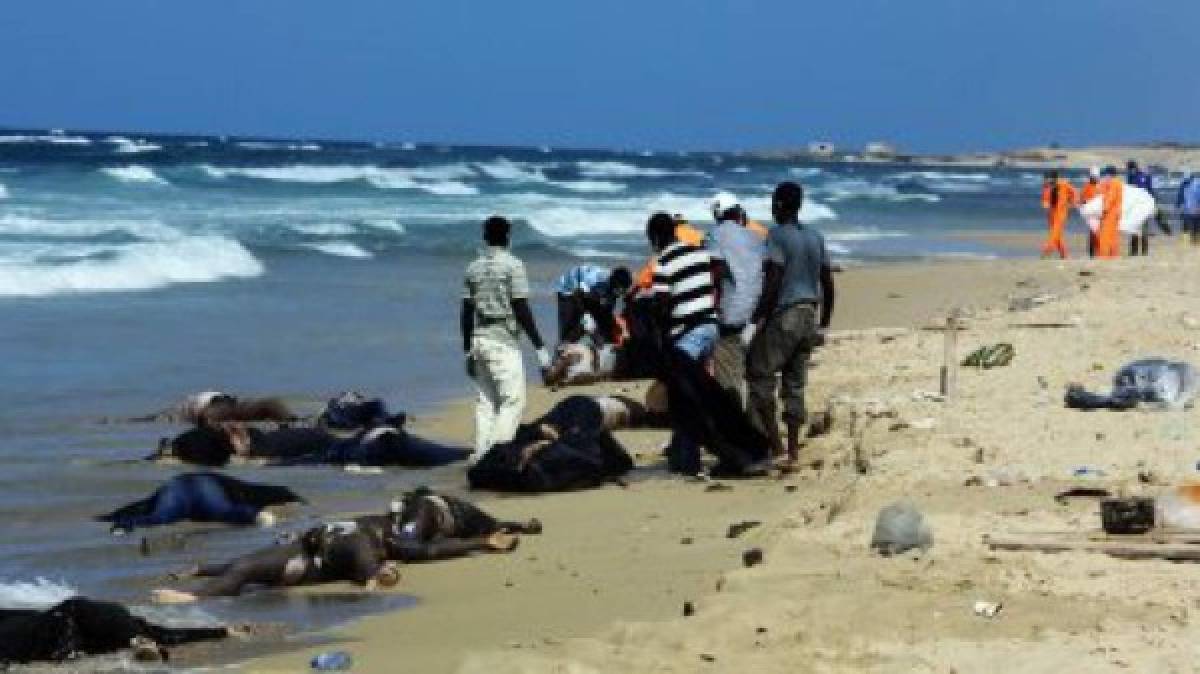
x=1122, y=549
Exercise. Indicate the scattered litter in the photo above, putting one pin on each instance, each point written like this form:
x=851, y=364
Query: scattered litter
x=1087, y=472
x=1127, y=515
x=900, y=527
x=928, y=397
x=1156, y=381
x=1027, y=303
x=718, y=486
x=987, y=357
x=987, y=609
x=1179, y=508
x=689, y=609
x=332, y=661
x=740, y=528
x=1081, y=492
x=752, y=557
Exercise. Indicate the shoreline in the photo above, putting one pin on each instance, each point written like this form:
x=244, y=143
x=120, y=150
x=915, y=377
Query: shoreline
x=612, y=554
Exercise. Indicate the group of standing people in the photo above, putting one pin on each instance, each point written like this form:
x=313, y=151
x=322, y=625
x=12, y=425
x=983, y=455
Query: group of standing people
x=746, y=303
x=1059, y=197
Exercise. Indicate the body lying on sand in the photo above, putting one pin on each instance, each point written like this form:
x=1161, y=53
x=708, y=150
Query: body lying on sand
x=424, y=526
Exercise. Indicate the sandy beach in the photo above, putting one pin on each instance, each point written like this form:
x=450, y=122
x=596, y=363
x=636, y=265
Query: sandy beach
x=603, y=589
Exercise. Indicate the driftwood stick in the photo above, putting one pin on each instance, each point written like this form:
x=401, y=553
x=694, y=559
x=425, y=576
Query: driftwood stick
x=949, y=374
x=1122, y=549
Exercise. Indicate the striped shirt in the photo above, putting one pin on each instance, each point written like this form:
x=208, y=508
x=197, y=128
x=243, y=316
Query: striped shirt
x=685, y=273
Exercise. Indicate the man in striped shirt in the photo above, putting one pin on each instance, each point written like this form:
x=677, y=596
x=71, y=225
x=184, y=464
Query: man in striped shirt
x=684, y=289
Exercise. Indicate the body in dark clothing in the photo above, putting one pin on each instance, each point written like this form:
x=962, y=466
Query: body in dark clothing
x=80, y=626
x=200, y=497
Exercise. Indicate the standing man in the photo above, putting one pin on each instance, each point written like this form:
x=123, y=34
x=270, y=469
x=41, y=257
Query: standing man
x=495, y=310
x=1140, y=245
x=1108, y=236
x=1189, y=206
x=1058, y=197
x=686, y=303
x=1086, y=193
x=798, y=280
x=738, y=255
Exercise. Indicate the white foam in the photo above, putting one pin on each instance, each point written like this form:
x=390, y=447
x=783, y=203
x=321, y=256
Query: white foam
x=863, y=234
x=439, y=180
x=946, y=181
x=587, y=252
x=575, y=216
x=740, y=169
x=339, y=249
x=132, y=145
x=617, y=169
x=124, y=267
x=385, y=224
x=20, y=225
x=506, y=170
x=837, y=248
x=3, y=191
x=324, y=229
x=805, y=171
x=134, y=174
x=36, y=594
x=855, y=188
x=54, y=139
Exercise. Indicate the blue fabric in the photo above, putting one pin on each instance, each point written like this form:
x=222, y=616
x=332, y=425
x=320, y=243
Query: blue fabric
x=194, y=497
x=699, y=342
x=1189, y=196
x=586, y=278
x=1141, y=179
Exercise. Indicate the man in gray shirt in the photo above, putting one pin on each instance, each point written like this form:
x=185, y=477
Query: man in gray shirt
x=798, y=281
x=495, y=311
x=738, y=254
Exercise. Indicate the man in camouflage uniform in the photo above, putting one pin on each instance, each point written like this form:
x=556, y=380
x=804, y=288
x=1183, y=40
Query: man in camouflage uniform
x=495, y=310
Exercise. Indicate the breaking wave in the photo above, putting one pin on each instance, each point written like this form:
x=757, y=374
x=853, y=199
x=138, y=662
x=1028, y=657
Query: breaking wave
x=134, y=174
x=35, y=594
x=340, y=249
x=31, y=270
x=441, y=181
x=53, y=139
x=131, y=145
x=618, y=169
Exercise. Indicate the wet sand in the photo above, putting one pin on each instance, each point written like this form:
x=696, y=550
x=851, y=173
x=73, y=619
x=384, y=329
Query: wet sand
x=564, y=600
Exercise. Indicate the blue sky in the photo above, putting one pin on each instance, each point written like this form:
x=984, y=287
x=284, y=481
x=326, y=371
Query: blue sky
x=931, y=75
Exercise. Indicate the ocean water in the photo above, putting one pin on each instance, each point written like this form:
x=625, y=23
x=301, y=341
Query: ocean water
x=135, y=269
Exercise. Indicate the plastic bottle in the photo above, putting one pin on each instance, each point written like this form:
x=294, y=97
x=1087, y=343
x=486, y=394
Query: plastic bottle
x=332, y=661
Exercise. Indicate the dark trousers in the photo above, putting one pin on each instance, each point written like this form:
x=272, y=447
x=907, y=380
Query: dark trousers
x=569, y=315
x=1191, y=223
x=782, y=346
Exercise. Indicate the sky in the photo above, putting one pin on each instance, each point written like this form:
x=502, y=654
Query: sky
x=927, y=75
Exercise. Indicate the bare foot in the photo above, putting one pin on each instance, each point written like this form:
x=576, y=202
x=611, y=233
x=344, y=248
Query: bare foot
x=168, y=596
x=502, y=542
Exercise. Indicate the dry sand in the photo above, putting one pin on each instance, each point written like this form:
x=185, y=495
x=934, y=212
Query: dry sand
x=602, y=589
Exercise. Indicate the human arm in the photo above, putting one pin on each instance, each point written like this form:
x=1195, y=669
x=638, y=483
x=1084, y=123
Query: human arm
x=827, y=295
x=466, y=323
x=772, y=282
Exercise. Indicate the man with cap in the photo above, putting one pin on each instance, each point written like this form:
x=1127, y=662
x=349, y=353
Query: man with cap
x=1188, y=203
x=738, y=256
x=495, y=311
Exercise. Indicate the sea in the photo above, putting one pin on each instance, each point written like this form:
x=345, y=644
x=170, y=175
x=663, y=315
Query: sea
x=138, y=268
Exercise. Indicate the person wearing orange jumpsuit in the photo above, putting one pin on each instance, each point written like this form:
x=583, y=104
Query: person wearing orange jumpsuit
x=1108, y=238
x=1087, y=192
x=1058, y=197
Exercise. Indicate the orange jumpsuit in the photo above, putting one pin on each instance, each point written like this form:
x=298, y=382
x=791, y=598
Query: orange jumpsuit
x=1108, y=237
x=758, y=228
x=1057, y=199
